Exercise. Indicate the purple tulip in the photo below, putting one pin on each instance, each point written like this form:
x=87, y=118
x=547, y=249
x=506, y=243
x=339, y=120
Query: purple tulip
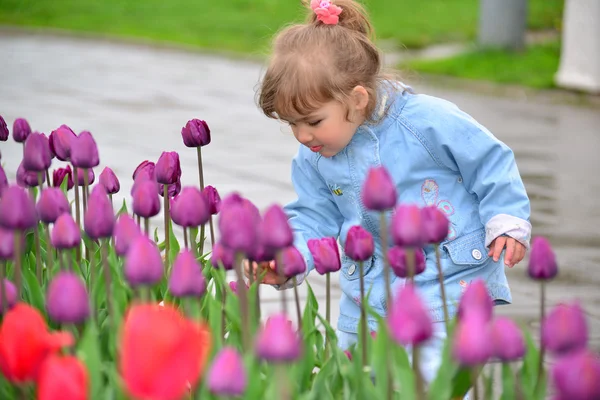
x=577, y=376
x=239, y=221
x=399, y=261
x=21, y=130
x=84, y=151
x=227, y=376
x=3, y=180
x=65, y=233
x=126, y=231
x=195, y=133
x=7, y=244
x=99, y=219
x=109, y=180
x=10, y=291
x=3, y=130
x=409, y=322
x=378, y=191
x=189, y=209
x=59, y=175
x=222, y=254
x=565, y=329
x=36, y=154
x=293, y=262
x=326, y=254
x=471, y=343
x=507, y=340
x=275, y=231
x=81, y=177
x=145, y=169
x=52, y=204
x=213, y=199
x=67, y=301
x=168, y=168
x=172, y=190
x=476, y=299
x=233, y=286
x=28, y=179
x=261, y=253
x=186, y=276
x=542, y=261
x=17, y=209
x=407, y=226
x=277, y=342
x=359, y=244
x=435, y=224
x=146, y=202
x=143, y=263
x=60, y=142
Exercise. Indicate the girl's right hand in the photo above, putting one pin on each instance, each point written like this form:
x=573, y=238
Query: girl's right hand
x=271, y=277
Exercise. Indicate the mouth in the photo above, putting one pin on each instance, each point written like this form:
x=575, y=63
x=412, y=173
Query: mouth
x=316, y=148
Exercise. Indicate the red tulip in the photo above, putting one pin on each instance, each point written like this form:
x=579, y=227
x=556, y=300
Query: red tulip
x=63, y=377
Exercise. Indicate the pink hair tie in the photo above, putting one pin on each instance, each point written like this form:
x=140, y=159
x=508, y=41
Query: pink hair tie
x=326, y=12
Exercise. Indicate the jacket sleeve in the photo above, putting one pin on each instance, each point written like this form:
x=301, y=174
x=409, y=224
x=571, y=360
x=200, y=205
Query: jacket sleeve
x=313, y=214
x=487, y=167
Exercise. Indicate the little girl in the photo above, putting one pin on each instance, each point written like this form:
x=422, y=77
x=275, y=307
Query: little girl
x=325, y=80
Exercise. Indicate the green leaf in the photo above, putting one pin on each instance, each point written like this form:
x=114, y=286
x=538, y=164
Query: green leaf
x=64, y=185
x=88, y=351
x=123, y=209
x=529, y=370
x=34, y=291
x=508, y=383
x=404, y=372
x=462, y=382
x=173, y=244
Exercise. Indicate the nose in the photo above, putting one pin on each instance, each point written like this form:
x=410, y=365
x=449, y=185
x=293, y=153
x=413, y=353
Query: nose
x=304, y=135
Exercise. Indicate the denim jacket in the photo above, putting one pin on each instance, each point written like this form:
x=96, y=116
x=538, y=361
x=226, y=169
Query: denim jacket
x=437, y=155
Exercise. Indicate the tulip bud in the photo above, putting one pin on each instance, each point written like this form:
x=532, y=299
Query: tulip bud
x=378, y=191
x=52, y=204
x=10, y=291
x=172, y=190
x=435, y=225
x=275, y=231
x=143, y=263
x=3, y=181
x=326, y=254
x=359, y=244
x=213, y=199
x=471, y=343
x=27, y=179
x=399, y=261
x=67, y=301
x=126, y=231
x=542, y=261
x=239, y=223
x=63, y=377
x=65, y=233
x=36, y=154
x=146, y=202
x=195, y=133
x=409, y=322
x=84, y=151
x=407, y=226
x=99, y=219
x=565, y=329
x=109, y=180
x=60, y=142
x=507, y=340
x=224, y=255
x=186, y=277
x=17, y=209
x=146, y=169
x=81, y=177
x=577, y=375
x=59, y=175
x=21, y=130
x=189, y=209
x=227, y=376
x=233, y=286
x=476, y=299
x=3, y=130
x=293, y=262
x=277, y=341
x=168, y=168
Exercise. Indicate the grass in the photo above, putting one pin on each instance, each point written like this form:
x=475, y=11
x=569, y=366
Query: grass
x=535, y=67
x=247, y=25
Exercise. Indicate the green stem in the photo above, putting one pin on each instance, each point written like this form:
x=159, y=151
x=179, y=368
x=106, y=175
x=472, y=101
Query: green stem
x=200, y=169
x=363, y=314
x=442, y=287
x=147, y=226
x=49, y=251
x=167, y=238
x=48, y=178
x=2, y=288
x=297, y=297
x=212, y=232
x=77, y=210
x=18, y=266
x=418, y=378
x=542, y=349
x=386, y=261
x=474, y=376
x=327, y=309
x=223, y=312
x=202, y=239
x=185, y=238
x=84, y=189
x=40, y=176
x=280, y=268
x=107, y=283
x=411, y=261
x=243, y=296
x=38, y=252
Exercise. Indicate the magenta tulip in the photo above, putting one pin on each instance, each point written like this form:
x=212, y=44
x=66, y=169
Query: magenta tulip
x=213, y=199
x=435, y=224
x=186, y=276
x=21, y=130
x=146, y=202
x=476, y=299
x=471, y=343
x=99, y=219
x=143, y=263
x=359, y=244
x=407, y=226
x=65, y=233
x=507, y=340
x=168, y=168
x=17, y=209
x=126, y=231
x=409, y=322
x=59, y=175
x=379, y=192
x=52, y=204
x=277, y=342
x=36, y=154
x=109, y=180
x=326, y=254
x=276, y=233
x=28, y=179
x=239, y=221
x=565, y=329
x=195, y=133
x=399, y=261
x=3, y=181
x=577, y=376
x=60, y=142
x=3, y=130
x=542, y=261
x=84, y=151
x=293, y=262
x=222, y=255
x=67, y=300
x=227, y=376
x=10, y=291
x=190, y=209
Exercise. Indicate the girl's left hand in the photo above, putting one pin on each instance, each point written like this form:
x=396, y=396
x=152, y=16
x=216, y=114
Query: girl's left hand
x=515, y=251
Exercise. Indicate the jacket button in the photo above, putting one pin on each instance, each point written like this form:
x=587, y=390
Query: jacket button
x=476, y=254
x=351, y=269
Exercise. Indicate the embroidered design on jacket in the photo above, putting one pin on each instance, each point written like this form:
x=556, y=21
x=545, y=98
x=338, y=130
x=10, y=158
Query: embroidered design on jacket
x=429, y=193
x=335, y=189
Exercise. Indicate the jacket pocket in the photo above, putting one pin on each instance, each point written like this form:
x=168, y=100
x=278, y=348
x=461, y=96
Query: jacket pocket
x=468, y=249
x=351, y=268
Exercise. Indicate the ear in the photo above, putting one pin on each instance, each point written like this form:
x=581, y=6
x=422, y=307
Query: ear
x=359, y=98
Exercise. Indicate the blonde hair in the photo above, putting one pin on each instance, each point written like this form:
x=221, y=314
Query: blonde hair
x=314, y=63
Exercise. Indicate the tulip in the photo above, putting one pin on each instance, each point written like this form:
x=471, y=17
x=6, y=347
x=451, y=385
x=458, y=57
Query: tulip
x=67, y=301
x=222, y=255
x=577, y=376
x=109, y=180
x=36, y=154
x=172, y=190
x=168, y=168
x=565, y=329
x=126, y=231
x=379, y=192
x=146, y=202
x=507, y=340
x=8, y=299
x=359, y=244
x=190, y=208
x=84, y=151
x=277, y=342
x=52, y=204
x=409, y=322
x=146, y=169
x=28, y=178
x=3, y=181
x=227, y=376
x=261, y=254
x=213, y=199
x=471, y=343
x=292, y=262
x=276, y=233
x=65, y=233
x=20, y=359
x=17, y=209
x=435, y=225
x=21, y=130
x=3, y=130
x=476, y=299
x=90, y=177
x=186, y=277
x=542, y=261
x=195, y=133
x=238, y=222
x=99, y=219
x=177, y=342
x=7, y=244
x=63, y=377
x=326, y=255
x=59, y=175
x=60, y=142
x=143, y=262
x=399, y=261
x=407, y=226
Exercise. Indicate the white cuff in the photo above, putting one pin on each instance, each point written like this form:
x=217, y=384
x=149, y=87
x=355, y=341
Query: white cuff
x=504, y=224
x=290, y=282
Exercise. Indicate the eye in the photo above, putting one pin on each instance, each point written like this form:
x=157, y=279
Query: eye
x=315, y=123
